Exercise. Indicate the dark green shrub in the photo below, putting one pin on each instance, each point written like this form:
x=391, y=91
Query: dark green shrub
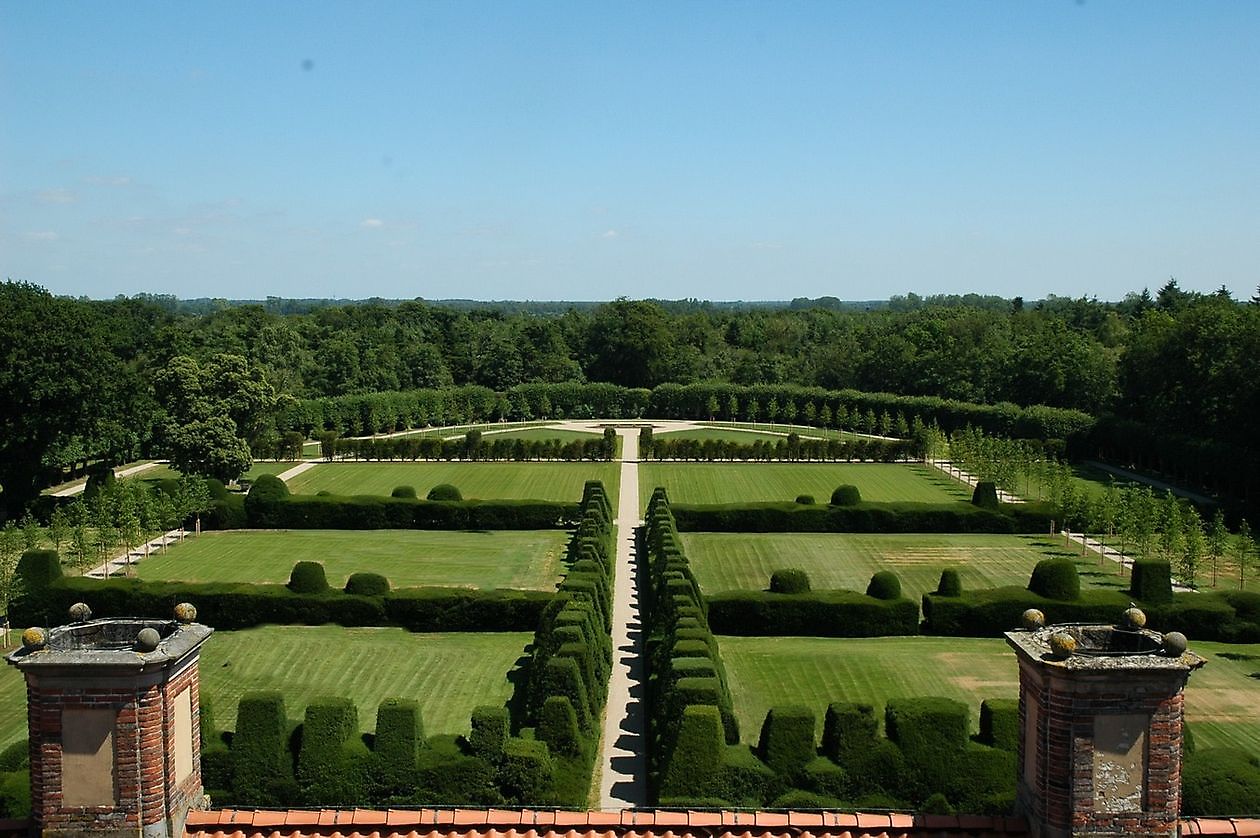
x=16, y=756
x=696, y=758
x=260, y=749
x=846, y=495
x=445, y=775
x=848, y=728
x=332, y=761
x=490, y=730
x=805, y=500
x=367, y=584
x=216, y=489
x=1056, y=579
x=404, y=492
x=216, y=759
x=884, y=585
x=99, y=476
x=444, y=491
x=1151, y=582
x=791, y=580
x=825, y=777
x=896, y=517
x=999, y=723
x=985, y=495
x=743, y=779
x=981, y=780
x=562, y=677
x=308, y=578
x=37, y=569
x=15, y=794
x=558, y=726
x=1220, y=781
x=930, y=732
x=937, y=803
x=525, y=770
x=799, y=799
x=268, y=487
x=877, y=770
x=399, y=738
x=465, y=609
x=787, y=739
x=950, y=584
x=33, y=602
x=816, y=614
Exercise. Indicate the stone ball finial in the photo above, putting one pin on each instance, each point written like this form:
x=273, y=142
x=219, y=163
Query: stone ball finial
x=1175, y=643
x=1062, y=645
x=80, y=612
x=1033, y=619
x=185, y=612
x=148, y=639
x=1134, y=617
x=34, y=638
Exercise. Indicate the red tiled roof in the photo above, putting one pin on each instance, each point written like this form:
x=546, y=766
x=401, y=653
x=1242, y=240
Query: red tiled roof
x=629, y=823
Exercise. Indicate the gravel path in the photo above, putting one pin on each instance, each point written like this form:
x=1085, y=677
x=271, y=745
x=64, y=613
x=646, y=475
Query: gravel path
x=623, y=761
x=296, y=470
x=77, y=489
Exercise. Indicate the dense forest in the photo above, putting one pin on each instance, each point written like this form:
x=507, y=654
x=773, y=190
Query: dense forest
x=114, y=379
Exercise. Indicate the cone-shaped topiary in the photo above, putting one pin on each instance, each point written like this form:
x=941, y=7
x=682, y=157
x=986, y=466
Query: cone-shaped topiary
x=403, y=492
x=884, y=585
x=790, y=580
x=696, y=757
x=950, y=584
x=787, y=739
x=490, y=726
x=308, y=578
x=985, y=495
x=846, y=495
x=558, y=726
x=1056, y=579
x=1152, y=581
x=444, y=491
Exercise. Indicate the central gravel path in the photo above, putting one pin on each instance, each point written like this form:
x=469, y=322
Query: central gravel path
x=623, y=775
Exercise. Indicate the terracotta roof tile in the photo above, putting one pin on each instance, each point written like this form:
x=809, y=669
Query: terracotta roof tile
x=805, y=819
x=770, y=819
x=1249, y=827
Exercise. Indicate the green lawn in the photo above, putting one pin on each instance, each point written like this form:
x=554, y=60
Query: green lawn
x=562, y=434
x=729, y=561
x=526, y=559
x=744, y=482
x=803, y=430
x=763, y=671
x=449, y=674
x=744, y=437
x=536, y=481
x=162, y=471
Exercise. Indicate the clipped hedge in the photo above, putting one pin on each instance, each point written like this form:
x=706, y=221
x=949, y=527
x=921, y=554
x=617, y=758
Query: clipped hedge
x=818, y=614
x=848, y=730
x=444, y=492
x=260, y=749
x=866, y=517
x=308, y=578
x=789, y=581
x=525, y=770
x=396, y=746
x=846, y=495
x=1056, y=579
x=1220, y=781
x=558, y=726
x=374, y=512
x=490, y=730
x=367, y=584
x=332, y=764
x=787, y=739
x=696, y=757
x=985, y=495
x=1151, y=581
x=408, y=492
x=950, y=583
x=885, y=585
x=999, y=723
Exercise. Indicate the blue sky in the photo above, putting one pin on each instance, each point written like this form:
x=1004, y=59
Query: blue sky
x=590, y=150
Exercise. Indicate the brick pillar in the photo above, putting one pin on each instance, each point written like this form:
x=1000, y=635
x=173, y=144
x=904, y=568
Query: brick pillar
x=1100, y=749
x=112, y=709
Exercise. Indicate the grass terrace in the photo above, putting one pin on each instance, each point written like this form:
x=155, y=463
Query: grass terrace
x=524, y=559
x=486, y=480
x=755, y=482
x=744, y=561
x=742, y=436
x=1220, y=700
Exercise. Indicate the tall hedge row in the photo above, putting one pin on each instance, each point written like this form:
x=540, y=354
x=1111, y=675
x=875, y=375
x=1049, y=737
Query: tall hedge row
x=787, y=449
x=862, y=517
x=495, y=447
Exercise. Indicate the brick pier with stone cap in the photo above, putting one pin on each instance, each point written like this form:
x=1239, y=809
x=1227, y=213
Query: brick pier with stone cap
x=1101, y=715
x=112, y=710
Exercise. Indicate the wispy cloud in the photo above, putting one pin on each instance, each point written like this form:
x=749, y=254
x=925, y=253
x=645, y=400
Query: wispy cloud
x=371, y=223
x=41, y=236
x=609, y=234
x=56, y=196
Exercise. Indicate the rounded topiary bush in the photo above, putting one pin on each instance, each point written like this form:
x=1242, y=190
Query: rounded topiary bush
x=367, y=584
x=100, y=476
x=790, y=580
x=950, y=584
x=268, y=487
x=985, y=494
x=805, y=500
x=444, y=491
x=1056, y=579
x=884, y=585
x=403, y=492
x=308, y=578
x=846, y=495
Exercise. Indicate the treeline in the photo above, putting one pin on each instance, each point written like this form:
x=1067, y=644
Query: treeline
x=117, y=379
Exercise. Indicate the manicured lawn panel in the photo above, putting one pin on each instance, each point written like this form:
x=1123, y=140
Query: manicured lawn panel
x=764, y=671
x=562, y=434
x=744, y=482
x=745, y=561
x=524, y=559
x=726, y=434
x=483, y=480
